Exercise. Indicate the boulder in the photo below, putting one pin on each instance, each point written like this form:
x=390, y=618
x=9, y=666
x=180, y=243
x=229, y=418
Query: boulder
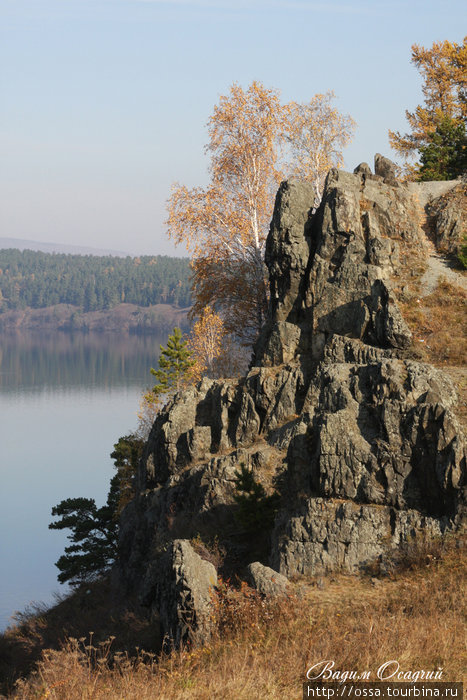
x=363, y=169
x=179, y=587
x=266, y=581
x=334, y=534
x=386, y=169
x=447, y=215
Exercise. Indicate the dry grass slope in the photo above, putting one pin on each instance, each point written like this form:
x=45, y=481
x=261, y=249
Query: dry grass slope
x=438, y=322
x=416, y=615
x=438, y=318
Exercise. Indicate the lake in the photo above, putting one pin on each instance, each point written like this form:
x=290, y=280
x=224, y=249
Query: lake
x=65, y=399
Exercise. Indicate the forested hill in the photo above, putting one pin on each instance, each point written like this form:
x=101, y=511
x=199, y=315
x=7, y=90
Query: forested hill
x=38, y=280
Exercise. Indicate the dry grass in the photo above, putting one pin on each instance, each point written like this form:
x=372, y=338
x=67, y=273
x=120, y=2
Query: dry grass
x=263, y=649
x=439, y=324
x=458, y=377
x=92, y=607
x=438, y=321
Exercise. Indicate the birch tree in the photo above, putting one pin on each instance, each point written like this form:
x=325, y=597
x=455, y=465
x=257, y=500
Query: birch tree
x=225, y=225
x=254, y=142
x=205, y=343
x=316, y=135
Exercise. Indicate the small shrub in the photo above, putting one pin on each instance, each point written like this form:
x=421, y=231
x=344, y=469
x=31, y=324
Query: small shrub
x=256, y=509
x=211, y=551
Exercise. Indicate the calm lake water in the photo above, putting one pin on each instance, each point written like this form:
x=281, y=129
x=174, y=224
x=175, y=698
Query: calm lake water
x=65, y=399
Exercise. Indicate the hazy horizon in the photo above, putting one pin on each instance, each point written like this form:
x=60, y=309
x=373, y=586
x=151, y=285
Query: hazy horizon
x=69, y=248
x=105, y=101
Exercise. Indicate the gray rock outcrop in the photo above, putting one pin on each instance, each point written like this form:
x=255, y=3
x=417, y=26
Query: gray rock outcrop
x=329, y=275
x=359, y=440
x=266, y=581
x=363, y=169
x=386, y=169
x=448, y=219
x=178, y=587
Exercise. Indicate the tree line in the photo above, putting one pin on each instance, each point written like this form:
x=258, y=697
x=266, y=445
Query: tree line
x=37, y=280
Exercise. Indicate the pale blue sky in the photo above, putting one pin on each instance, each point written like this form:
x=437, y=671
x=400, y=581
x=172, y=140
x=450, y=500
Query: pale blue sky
x=104, y=102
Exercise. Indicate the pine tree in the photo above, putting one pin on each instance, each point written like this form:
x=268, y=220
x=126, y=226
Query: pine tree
x=174, y=364
x=256, y=510
x=126, y=456
x=93, y=536
x=176, y=370
x=445, y=158
x=94, y=531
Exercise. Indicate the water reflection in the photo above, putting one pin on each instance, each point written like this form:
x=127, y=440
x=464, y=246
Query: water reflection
x=65, y=399
x=43, y=361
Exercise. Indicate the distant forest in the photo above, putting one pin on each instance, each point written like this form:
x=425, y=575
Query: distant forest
x=94, y=283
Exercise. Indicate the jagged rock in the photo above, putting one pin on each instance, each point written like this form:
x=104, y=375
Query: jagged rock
x=266, y=581
x=385, y=168
x=330, y=534
x=179, y=587
x=372, y=435
x=340, y=349
x=218, y=416
x=448, y=219
x=363, y=169
x=288, y=247
x=287, y=255
x=332, y=270
x=359, y=441
x=191, y=428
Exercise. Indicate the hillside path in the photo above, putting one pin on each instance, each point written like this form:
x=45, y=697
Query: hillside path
x=439, y=266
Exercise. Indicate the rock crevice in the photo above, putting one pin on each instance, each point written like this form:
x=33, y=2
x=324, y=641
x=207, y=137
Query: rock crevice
x=359, y=440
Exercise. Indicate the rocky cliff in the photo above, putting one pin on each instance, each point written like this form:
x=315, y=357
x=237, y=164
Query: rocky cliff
x=357, y=437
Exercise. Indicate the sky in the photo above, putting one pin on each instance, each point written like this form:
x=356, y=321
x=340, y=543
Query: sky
x=104, y=103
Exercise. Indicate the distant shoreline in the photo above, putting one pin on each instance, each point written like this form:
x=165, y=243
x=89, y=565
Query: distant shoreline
x=124, y=318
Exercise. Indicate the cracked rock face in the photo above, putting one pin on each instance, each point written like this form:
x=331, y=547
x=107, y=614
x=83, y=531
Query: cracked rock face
x=448, y=218
x=179, y=588
x=333, y=270
x=360, y=441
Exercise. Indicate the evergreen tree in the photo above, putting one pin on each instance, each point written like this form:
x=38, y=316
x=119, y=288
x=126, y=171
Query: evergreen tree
x=38, y=280
x=126, y=455
x=445, y=157
x=94, y=531
x=256, y=509
x=93, y=536
x=437, y=128
x=174, y=363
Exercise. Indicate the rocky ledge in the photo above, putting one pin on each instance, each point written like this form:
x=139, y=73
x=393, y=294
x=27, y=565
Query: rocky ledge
x=358, y=439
